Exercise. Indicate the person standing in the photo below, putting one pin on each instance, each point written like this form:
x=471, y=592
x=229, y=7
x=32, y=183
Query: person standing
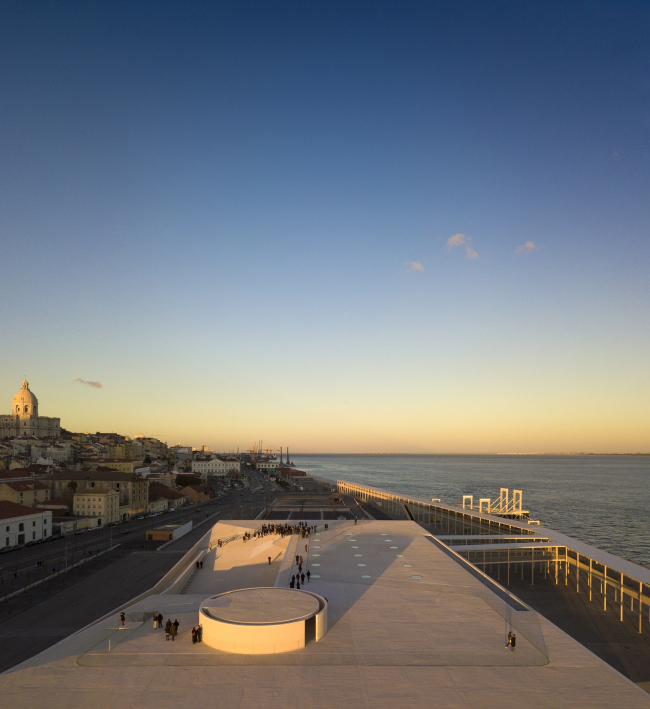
x=175, y=625
x=168, y=628
x=269, y=561
x=193, y=635
x=122, y=618
x=302, y=579
x=308, y=575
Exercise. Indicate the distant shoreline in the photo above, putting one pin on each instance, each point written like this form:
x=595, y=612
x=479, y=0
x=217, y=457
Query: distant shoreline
x=479, y=454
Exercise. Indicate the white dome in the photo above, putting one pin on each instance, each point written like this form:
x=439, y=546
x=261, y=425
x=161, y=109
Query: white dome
x=25, y=398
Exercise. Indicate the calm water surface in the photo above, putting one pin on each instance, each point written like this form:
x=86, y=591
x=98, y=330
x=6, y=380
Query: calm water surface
x=602, y=500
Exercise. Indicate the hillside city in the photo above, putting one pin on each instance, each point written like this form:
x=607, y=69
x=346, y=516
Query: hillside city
x=54, y=482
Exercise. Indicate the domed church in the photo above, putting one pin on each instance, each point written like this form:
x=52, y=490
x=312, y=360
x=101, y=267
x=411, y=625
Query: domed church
x=24, y=419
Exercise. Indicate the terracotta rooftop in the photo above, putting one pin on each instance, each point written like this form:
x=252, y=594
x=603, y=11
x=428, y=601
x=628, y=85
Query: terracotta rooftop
x=14, y=509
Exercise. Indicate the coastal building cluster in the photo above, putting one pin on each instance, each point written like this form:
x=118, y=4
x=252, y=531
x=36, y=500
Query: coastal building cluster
x=56, y=481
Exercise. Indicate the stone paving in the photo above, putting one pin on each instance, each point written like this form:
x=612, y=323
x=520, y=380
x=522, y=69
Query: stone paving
x=408, y=627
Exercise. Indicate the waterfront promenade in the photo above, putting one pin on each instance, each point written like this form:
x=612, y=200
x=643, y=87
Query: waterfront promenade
x=408, y=625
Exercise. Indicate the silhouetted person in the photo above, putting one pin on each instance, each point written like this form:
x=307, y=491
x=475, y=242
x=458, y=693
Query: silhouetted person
x=308, y=575
x=269, y=561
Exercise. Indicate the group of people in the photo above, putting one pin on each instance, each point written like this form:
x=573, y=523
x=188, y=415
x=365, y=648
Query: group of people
x=299, y=578
x=199, y=565
x=171, y=629
x=285, y=529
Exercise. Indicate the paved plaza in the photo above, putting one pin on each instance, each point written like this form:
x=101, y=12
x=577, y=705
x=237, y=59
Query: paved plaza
x=408, y=626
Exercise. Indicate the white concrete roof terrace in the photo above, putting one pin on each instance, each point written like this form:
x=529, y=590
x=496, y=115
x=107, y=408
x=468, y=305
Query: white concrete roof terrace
x=408, y=627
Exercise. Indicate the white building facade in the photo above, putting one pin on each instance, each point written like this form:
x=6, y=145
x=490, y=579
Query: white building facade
x=20, y=525
x=215, y=467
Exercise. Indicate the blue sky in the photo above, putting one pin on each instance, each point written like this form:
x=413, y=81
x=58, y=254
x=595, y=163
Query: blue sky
x=210, y=208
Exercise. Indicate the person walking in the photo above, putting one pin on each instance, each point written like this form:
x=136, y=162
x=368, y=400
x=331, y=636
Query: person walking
x=201, y=563
x=193, y=635
x=297, y=559
x=269, y=561
x=308, y=575
x=175, y=625
x=306, y=548
x=513, y=642
x=168, y=628
x=155, y=620
x=302, y=578
x=292, y=584
x=122, y=618
x=298, y=585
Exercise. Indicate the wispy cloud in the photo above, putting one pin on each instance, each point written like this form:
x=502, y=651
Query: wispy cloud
x=525, y=248
x=94, y=385
x=456, y=240
x=461, y=240
x=413, y=266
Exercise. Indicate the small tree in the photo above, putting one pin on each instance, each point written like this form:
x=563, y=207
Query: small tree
x=72, y=486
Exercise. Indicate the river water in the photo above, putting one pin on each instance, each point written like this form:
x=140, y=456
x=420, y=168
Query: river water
x=602, y=500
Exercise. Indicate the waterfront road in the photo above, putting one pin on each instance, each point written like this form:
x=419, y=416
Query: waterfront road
x=39, y=559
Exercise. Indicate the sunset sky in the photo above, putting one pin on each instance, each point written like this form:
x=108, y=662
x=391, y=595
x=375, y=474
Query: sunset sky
x=338, y=226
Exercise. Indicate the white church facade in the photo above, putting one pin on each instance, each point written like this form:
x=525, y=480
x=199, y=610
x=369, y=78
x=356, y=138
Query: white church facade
x=24, y=419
